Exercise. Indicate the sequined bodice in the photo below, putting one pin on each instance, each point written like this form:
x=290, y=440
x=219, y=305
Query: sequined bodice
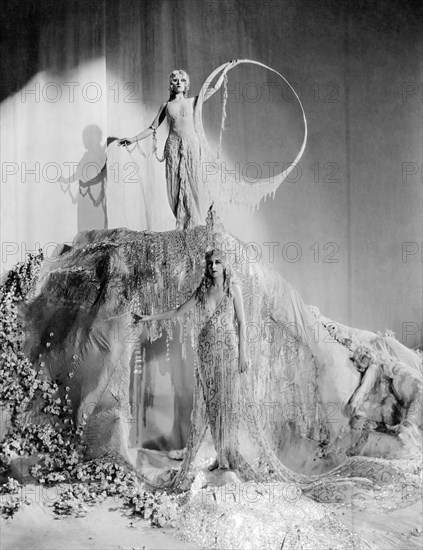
x=223, y=312
x=180, y=116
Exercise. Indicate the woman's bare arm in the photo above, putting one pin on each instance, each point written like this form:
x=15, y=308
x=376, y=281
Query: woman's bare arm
x=211, y=90
x=148, y=131
x=240, y=315
x=363, y=390
x=171, y=313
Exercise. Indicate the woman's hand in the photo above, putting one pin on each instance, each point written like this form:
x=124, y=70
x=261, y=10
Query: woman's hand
x=142, y=318
x=231, y=64
x=244, y=362
x=352, y=407
x=125, y=141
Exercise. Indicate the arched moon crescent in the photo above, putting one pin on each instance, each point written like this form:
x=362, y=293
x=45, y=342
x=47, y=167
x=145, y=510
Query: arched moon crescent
x=262, y=187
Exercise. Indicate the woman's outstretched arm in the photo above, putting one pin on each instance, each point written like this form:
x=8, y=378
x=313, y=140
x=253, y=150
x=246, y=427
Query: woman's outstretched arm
x=211, y=90
x=171, y=313
x=148, y=131
x=362, y=392
x=240, y=315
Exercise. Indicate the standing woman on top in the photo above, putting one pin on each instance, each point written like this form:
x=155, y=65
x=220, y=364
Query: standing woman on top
x=182, y=152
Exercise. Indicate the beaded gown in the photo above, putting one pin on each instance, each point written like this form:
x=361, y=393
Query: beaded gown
x=236, y=432
x=223, y=399
x=219, y=375
x=182, y=153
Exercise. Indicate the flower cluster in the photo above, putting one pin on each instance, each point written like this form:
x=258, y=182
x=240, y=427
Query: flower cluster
x=72, y=501
x=158, y=509
x=11, y=498
x=26, y=392
x=38, y=416
x=111, y=476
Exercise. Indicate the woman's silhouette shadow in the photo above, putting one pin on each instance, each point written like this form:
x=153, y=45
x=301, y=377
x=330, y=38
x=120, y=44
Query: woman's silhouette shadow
x=91, y=174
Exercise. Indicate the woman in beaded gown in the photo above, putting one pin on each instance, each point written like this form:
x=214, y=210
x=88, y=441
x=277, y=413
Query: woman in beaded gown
x=223, y=398
x=183, y=149
x=222, y=355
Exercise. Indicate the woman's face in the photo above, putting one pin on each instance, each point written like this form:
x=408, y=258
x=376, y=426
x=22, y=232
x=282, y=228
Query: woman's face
x=215, y=267
x=363, y=362
x=178, y=83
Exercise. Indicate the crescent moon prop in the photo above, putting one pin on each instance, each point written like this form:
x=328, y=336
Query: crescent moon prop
x=244, y=192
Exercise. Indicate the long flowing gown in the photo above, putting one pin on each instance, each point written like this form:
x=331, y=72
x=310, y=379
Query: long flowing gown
x=182, y=153
x=237, y=434
x=219, y=375
x=224, y=401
